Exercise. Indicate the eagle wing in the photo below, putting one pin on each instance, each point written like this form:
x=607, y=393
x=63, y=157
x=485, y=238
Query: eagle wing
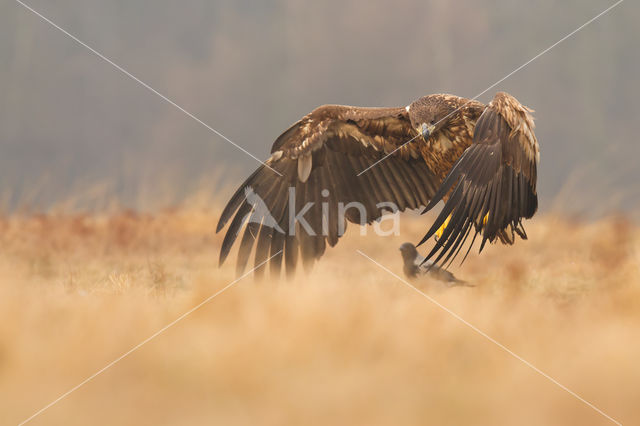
x=494, y=182
x=319, y=157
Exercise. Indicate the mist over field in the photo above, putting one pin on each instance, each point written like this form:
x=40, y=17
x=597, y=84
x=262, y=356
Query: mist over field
x=109, y=199
x=348, y=344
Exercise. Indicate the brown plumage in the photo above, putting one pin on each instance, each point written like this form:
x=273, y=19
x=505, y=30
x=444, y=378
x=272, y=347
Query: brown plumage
x=480, y=159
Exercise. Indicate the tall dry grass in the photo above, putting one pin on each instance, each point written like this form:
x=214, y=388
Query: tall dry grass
x=347, y=344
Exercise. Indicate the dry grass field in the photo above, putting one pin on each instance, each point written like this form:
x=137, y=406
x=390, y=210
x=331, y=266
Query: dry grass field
x=349, y=344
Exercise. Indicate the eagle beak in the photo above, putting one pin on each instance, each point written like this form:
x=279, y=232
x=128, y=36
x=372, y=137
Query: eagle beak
x=426, y=130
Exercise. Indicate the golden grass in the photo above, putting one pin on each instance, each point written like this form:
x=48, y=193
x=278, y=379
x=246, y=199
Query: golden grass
x=348, y=344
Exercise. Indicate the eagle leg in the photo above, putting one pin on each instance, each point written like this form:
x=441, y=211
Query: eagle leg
x=440, y=230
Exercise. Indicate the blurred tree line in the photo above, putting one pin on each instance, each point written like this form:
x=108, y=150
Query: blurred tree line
x=75, y=130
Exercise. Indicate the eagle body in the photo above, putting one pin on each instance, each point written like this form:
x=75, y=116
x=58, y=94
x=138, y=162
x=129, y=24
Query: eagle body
x=480, y=159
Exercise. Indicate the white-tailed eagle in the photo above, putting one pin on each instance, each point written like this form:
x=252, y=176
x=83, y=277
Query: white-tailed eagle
x=480, y=159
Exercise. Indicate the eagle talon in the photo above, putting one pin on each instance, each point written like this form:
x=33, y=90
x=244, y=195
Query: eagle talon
x=440, y=230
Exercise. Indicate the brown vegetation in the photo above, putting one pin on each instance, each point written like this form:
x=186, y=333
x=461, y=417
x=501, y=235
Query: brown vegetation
x=348, y=344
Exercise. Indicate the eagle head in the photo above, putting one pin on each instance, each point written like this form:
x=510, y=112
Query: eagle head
x=431, y=113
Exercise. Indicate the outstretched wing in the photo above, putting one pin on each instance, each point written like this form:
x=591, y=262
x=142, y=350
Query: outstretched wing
x=319, y=158
x=494, y=182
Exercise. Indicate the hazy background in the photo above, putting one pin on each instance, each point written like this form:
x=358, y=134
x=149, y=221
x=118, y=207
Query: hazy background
x=75, y=130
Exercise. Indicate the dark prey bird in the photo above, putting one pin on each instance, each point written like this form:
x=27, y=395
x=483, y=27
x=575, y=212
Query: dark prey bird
x=415, y=266
x=480, y=159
